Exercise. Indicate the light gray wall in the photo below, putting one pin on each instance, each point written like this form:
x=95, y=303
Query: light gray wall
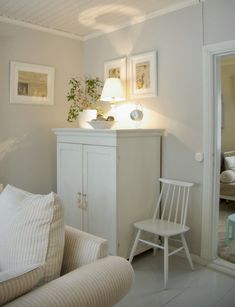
x=219, y=16
x=177, y=37
x=27, y=144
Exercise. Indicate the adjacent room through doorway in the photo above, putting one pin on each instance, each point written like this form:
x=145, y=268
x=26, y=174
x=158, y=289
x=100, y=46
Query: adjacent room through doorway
x=226, y=224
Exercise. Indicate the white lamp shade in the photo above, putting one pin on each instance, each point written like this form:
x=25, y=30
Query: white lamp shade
x=112, y=90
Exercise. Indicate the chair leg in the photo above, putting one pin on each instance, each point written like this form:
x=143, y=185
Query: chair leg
x=134, y=246
x=156, y=239
x=165, y=262
x=187, y=251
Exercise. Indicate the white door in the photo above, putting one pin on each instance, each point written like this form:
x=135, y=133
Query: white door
x=69, y=181
x=99, y=179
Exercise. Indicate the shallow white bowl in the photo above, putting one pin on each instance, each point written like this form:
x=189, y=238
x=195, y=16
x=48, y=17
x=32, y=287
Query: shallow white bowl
x=101, y=124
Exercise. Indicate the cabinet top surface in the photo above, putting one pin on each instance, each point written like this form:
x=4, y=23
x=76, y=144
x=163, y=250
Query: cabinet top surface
x=104, y=137
x=110, y=132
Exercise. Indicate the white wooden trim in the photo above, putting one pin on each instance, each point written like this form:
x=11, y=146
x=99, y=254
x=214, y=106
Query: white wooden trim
x=223, y=266
x=195, y=258
x=221, y=48
x=211, y=110
x=208, y=155
x=39, y=28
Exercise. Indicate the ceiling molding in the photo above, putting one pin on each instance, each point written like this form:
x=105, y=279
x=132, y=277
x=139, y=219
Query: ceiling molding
x=40, y=28
x=143, y=18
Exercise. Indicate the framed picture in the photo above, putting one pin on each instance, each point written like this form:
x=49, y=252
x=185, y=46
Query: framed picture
x=143, y=75
x=116, y=69
x=31, y=84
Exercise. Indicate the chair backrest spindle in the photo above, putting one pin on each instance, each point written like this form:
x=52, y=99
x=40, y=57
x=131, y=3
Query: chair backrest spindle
x=182, y=208
x=177, y=204
x=173, y=201
x=165, y=202
x=186, y=207
x=158, y=203
x=171, y=205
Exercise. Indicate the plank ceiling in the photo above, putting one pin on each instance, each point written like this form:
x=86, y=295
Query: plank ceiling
x=84, y=18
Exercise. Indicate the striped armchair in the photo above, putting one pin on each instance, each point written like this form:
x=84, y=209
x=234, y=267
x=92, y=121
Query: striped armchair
x=89, y=278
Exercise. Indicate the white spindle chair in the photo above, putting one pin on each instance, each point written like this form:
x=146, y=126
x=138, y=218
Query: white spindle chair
x=168, y=220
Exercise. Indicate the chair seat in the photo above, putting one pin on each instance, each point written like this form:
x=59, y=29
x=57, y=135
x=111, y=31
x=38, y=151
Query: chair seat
x=161, y=228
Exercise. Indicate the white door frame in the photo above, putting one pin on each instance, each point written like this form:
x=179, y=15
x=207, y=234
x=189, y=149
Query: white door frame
x=212, y=144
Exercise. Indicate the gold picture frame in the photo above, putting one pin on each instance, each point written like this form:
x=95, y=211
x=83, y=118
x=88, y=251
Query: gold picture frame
x=143, y=75
x=31, y=84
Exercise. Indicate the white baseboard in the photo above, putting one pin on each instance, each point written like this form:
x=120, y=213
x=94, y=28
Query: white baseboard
x=223, y=266
x=195, y=258
x=219, y=264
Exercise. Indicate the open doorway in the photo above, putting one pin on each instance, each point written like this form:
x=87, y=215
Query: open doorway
x=226, y=224
x=212, y=122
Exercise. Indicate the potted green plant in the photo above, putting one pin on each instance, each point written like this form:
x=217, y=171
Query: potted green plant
x=84, y=94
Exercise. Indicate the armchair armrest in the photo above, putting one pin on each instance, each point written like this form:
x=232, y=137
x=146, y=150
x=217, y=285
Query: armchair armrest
x=81, y=248
x=99, y=284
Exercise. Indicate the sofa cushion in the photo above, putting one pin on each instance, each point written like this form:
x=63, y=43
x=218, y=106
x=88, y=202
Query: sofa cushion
x=230, y=163
x=18, y=282
x=31, y=231
x=227, y=176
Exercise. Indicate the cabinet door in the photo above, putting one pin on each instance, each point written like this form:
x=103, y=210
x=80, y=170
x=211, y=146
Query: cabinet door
x=69, y=181
x=99, y=179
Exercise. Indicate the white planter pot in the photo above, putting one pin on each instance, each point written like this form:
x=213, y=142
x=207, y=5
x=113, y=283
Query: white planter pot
x=86, y=116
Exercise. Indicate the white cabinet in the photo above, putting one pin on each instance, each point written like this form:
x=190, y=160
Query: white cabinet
x=108, y=179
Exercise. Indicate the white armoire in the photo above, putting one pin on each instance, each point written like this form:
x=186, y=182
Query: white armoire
x=108, y=179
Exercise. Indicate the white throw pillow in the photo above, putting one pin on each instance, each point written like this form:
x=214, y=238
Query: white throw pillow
x=18, y=282
x=227, y=176
x=230, y=163
x=31, y=231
